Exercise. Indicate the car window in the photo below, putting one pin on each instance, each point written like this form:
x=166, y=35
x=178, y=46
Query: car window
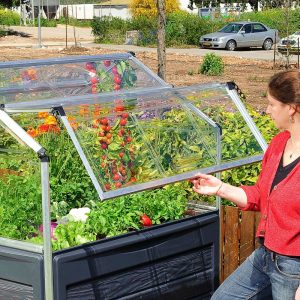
x=297, y=33
x=259, y=28
x=231, y=28
x=247, y=28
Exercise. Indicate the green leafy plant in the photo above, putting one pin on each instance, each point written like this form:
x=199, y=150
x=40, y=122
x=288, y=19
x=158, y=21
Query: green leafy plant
x=111, y=218
x=212, y=65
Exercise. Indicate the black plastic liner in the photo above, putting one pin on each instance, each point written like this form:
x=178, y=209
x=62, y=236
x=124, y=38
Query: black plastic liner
x=177, y=260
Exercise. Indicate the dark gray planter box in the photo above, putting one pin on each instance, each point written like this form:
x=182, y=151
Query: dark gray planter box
x=176, y=260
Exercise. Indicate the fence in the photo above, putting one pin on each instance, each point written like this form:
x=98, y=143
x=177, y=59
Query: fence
x=237, y=237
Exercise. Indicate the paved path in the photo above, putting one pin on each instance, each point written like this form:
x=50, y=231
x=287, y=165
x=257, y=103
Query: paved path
x=55, y=37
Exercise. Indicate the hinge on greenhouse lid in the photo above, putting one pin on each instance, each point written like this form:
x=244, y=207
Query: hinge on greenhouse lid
x=58, y=111
x=42, y=155
x=132, y=53
x=220, y=128
x=2, y=106
x=233, y=86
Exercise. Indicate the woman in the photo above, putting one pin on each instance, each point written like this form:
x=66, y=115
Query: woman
x=273, y=270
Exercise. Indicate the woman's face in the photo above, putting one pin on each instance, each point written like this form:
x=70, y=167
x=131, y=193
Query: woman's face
x=279, y=112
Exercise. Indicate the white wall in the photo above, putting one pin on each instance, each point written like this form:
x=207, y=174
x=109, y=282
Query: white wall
x=122, y=13
x=76, y=11
x=88, y=11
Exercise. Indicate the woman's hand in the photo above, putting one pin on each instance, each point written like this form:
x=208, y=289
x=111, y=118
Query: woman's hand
x=297, y=295
x=206, y=184
x=209, y=185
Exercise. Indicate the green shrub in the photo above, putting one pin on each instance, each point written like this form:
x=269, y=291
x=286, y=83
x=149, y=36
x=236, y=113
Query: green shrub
x=212, y=65
x=147, y=28
x=109, y=30
x=8, y=17
x=276, y=19
x=183, y=28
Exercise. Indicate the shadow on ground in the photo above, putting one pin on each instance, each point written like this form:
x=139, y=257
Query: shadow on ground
x=5, y=31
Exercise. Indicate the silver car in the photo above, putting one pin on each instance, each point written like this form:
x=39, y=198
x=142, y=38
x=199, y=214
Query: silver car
x=291, y=43
x=240, y=34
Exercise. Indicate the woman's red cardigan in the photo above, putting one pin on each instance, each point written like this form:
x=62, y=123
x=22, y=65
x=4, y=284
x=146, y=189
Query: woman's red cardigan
x=280, y=208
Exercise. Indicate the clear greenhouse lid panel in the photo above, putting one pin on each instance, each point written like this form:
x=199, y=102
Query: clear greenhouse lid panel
x=35, y=80
x=134, y=141
x=240, y=137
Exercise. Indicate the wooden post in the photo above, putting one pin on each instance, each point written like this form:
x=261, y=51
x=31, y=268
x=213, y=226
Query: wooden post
x=161, y=38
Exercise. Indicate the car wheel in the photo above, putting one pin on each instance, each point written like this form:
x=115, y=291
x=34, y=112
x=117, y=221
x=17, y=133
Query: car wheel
x=231, y=45
x=267, y=45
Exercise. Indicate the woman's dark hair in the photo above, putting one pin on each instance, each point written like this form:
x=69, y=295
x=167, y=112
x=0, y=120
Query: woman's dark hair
x=285, y=87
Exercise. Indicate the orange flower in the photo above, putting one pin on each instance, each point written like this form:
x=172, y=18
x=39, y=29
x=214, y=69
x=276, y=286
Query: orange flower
x=50, y=120
x=43, y=115
x=43, y=128
x=54, y=129
x=83, y=111
x=31, y=72
x=73, y=124
x=32, y=132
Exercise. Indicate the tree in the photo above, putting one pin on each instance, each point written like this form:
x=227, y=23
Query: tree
x=148, y=8
x=161, y=38
x=10, y=3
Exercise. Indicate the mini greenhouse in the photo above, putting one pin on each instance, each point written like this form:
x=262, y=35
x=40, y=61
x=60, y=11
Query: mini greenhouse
x=113, y=127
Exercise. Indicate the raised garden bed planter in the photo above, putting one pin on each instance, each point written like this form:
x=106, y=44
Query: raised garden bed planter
x=81, y=129
x=176, y=260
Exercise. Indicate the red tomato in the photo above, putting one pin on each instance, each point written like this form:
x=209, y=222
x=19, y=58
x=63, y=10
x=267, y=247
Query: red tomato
x=128, y=139
x=119, y=108
x=89, y=66
x=145, y=220
x=117, y=87
x=116, y=177
x=104, y=121
x=123, y=122
x=106, y=63
x=121, y=154
x=117, y=79
x=94, y=80
x=107, y=186
x=118, y=184
x=114, y=70
x=133, y=179
x=104, y=146
x=109, y=135
x=124, y=115
x=94, y=89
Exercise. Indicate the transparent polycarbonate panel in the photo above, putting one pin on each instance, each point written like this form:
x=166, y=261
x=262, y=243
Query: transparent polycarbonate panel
x=61, y=78
x=20, y=188
x=237, y=139
x=128, y=141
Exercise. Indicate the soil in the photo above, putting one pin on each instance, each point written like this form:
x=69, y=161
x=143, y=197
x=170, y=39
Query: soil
x=251, y=76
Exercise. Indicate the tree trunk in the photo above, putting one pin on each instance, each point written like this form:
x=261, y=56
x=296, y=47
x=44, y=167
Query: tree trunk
x=161, y=39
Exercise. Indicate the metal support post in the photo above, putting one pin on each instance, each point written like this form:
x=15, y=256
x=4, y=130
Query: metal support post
x=48, y=269
x=39, y=26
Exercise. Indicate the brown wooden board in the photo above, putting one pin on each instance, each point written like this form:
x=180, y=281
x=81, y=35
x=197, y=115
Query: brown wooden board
x=247, y=234
x=231, y=246
x=222, y=241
